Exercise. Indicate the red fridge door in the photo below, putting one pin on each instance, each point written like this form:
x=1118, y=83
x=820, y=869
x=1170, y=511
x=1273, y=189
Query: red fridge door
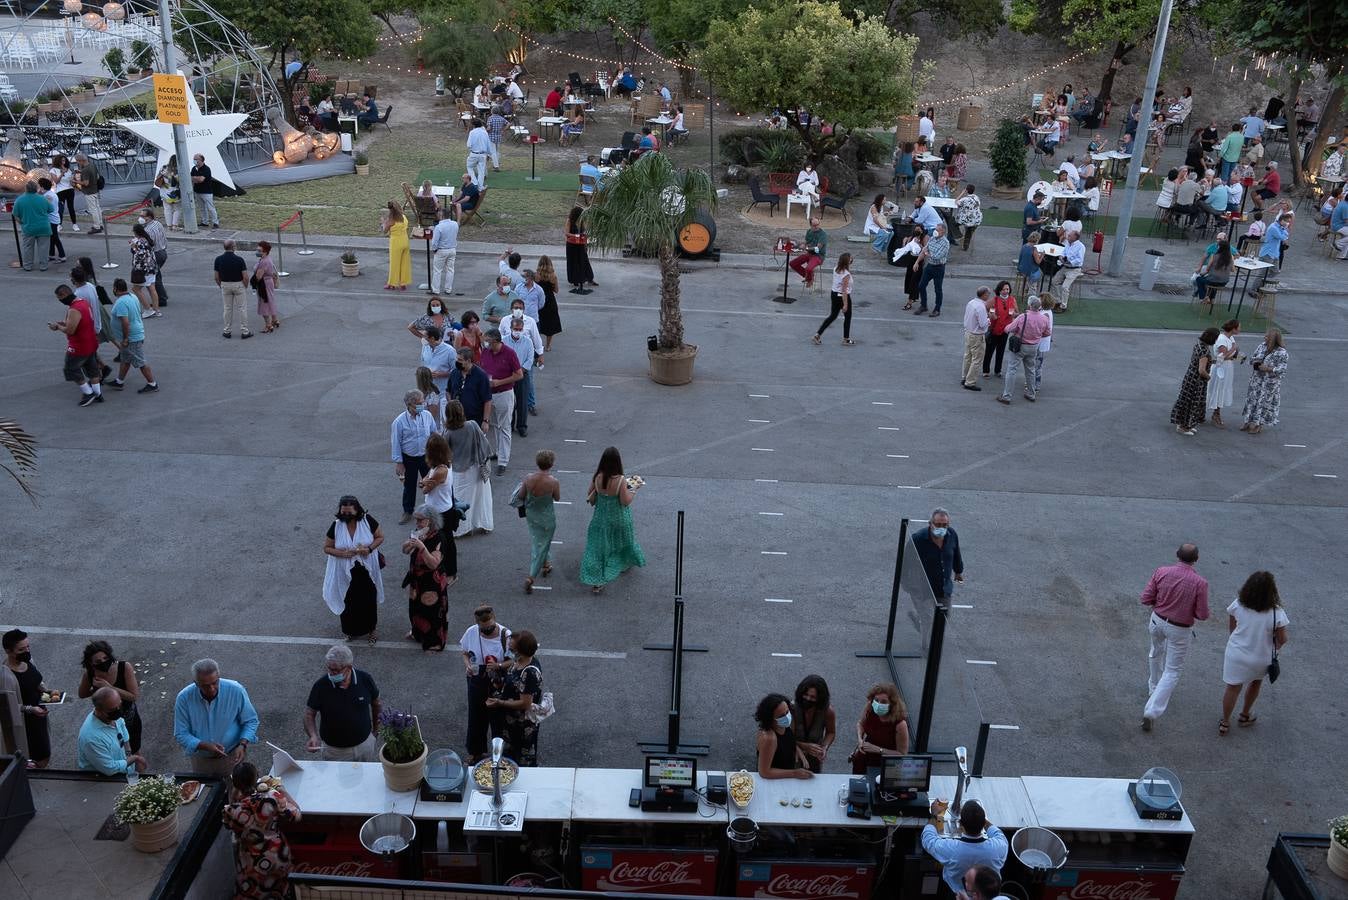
x=804, y=879
x=1112, y=884
x=648, y=870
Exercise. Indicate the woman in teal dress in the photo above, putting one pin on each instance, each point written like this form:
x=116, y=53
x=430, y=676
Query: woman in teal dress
x=541, y=491
x=611, y=546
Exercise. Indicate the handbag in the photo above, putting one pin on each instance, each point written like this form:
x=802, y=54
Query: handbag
x=519, y=498
x=1014, y=342
x=542, y=708
x=1274, y=667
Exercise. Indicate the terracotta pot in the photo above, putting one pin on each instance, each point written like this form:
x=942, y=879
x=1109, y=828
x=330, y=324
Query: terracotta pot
x=672, y=367
x=151, y=837
x=1338, y=858
x=350, y=270
x=403, y=776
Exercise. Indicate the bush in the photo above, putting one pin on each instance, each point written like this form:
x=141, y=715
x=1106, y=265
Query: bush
x=871, y=150
x=362, y=158
x=320, y=89
x=748, y=147
x=142, y=55
x=781, y=152
x=115, y=62
x=1006, y=155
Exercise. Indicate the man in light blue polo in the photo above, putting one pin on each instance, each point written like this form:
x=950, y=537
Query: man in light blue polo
x=978, y=843
x=214, y=720
x=104, y=740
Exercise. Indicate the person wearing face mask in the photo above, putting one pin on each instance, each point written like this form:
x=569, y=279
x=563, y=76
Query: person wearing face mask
x=264, y=282
x=19, y=661
x=435, y=316
x=938, y=547
x=522, y=337
x=484, y=646
x=408, y=434
x=104, y=739
x=353, y=587
x=778, y=755
x=341, y=715
x=882, y=729
x=81, y=359
x=437, y=354
x=816, y=728
x=103, y=669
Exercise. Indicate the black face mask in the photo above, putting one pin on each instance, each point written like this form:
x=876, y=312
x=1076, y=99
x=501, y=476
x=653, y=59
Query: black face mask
x=805, y=703
x=105, y=665
x=114, y=715
x=346, y=517
x=24, y=657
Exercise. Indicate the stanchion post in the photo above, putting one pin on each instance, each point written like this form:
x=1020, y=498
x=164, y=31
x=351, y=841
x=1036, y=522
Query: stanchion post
x=14, y=220
x=280, y=263
x=426, y=236
x=107, y=247
x=304, y=238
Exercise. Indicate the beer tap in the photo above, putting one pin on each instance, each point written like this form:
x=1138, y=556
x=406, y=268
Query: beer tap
x=497, y=750
x=961, y=782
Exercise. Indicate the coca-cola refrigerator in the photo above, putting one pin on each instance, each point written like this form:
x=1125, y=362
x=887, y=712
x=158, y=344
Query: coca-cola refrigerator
x=1112, y=884
x=332, y=847
x=648, y=870
x=806, y=879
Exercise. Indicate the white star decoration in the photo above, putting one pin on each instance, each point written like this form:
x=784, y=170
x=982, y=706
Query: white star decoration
x=204, y=134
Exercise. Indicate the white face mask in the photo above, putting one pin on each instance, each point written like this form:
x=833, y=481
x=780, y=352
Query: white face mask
x=141, y=220
x=436, y=310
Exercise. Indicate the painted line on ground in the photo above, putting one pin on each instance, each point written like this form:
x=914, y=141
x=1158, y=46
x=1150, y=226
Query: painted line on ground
x=763, y=449
x=558, y=542
x=562, y=502
x=771, y=514
x=776, y=600
x=881, y=403
x=1283, y=470
x=267, y=639
x=981, y=662
x=888, y=427
x=788, y=655
x=1004, y=727
x=568, y=471
x=572, y=441
x=1318, y=475
x=1297, y=446
x=909, y=487
x=766, y=480
x=896, y=455
x=542, y=587
x=593, y=387
x=760, y=421
x=589, y=411
x=761, y=396
x=961, y=606
x=772, y=552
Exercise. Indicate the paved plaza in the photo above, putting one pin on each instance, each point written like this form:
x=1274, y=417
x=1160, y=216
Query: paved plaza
x=190, y=523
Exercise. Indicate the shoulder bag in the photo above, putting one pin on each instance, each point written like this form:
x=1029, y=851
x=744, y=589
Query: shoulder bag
x=544, y=706
x=519, y=498
x=1014, y=342
x=1274, y=667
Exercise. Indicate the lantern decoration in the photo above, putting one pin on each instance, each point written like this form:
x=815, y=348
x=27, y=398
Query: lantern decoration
x=327, y=143
x=115, y=12
x=296, y=144
x=71, y=7
x=321, y=153
x=94, y=22
x=12, y=176
x=279, y=158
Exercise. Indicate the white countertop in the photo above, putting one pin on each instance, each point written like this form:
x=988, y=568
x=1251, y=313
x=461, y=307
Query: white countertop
x=601, y=795
x=549, y=790
x=1092, y=804
x=766, y=807
x=1251, y=263
x=345, y=789
x=1005, y=800
x=942, y=202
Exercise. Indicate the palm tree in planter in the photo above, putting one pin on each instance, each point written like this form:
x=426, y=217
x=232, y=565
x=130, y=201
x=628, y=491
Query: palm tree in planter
x=644, y=206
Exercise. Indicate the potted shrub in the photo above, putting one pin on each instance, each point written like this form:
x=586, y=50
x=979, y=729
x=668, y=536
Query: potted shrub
x=403, y=753
x=1006, y=155
x=644, y=206
x=142, y=58
x=150, y=807
x=350, y=265
x=362, y=163
x=115, y=62
x=1338, y=846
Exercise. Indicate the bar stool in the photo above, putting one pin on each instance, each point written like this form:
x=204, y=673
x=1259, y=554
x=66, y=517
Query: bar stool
x=1266, y=299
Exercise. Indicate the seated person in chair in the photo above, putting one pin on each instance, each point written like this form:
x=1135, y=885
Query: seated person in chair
x=677, y=129
x=1267, y=187
x=369, y=113
x=589, y=168
x=625, y=84
x=326, y=114
x=573, y=129
x=469, y=196
x=553, y=102
x=425, y=197
x=648, y=140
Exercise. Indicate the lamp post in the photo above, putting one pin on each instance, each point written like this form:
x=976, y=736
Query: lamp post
x=70, y=9
x=185, y=193
x=1119, y=250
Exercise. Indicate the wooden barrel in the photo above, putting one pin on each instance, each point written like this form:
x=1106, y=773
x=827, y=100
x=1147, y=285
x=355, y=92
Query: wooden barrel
x=697, y=237
x=970, y=117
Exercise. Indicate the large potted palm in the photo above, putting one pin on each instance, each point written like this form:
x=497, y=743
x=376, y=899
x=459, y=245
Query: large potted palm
x=644, y=206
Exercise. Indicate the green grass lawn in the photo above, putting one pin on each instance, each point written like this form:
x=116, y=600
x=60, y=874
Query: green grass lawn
x=1168, y=314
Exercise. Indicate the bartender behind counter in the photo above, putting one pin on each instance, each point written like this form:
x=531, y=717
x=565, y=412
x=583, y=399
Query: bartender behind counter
x=778, y=755
x=971, y=846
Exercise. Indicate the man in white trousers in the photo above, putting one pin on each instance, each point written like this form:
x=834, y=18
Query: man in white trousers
x=444, y=247
x=479, y=148
x=1178, y=597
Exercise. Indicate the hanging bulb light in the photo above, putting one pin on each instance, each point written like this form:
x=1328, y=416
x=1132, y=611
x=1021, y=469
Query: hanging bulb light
x=72, y=7
x=94, y=22
x=115, y=12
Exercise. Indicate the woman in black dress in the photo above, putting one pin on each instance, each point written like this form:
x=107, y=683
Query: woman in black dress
x=1191, y=407
x=19, y=659
x=432, y=566
x=578, y=271
x=549, y=317
x=353, y=586
x=910, y=256
x=778, y=756
x=521, y=688
x=103, y=669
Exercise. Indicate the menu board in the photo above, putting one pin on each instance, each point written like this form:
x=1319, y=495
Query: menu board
x=804, y=880
x=648, y=870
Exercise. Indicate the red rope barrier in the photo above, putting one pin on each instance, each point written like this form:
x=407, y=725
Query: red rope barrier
x=141, y=205
x=290, y=221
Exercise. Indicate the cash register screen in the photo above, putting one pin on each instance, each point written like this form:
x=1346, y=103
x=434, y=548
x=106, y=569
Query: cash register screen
x=906, y=774
x=671, y=772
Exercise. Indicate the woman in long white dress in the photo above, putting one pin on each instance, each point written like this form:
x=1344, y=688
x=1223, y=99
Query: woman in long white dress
x=1258, y=626
x=1221, y=386
x=469, y=453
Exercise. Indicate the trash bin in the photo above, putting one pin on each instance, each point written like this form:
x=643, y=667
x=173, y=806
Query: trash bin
x=1151, y=269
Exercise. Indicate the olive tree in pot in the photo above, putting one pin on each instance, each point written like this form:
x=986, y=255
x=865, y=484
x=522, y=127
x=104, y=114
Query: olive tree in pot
x=644, y=206
x=1006, y=155
x=1338, y=846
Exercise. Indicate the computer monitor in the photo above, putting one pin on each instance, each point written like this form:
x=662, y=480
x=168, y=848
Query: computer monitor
x=905, y=775
x=671, y=773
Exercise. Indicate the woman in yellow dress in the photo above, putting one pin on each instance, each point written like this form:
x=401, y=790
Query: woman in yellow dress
x=394, y=224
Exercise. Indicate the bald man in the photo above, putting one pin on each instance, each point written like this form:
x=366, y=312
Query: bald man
x=104, y=741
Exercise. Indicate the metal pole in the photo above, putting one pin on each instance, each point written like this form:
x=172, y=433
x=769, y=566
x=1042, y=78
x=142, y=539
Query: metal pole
x=18, y=247
x=280, y=262
x=711, y=129
x=426, y=236
x=185, y=194
x=678, y=557
x=107, y=246
x=894, y=591
x=980, y=749
x=934, y=649
x=304, y=238
x=1120, y=248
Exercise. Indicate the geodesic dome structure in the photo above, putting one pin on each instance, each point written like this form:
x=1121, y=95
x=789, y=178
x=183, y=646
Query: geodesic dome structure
x=69, y=70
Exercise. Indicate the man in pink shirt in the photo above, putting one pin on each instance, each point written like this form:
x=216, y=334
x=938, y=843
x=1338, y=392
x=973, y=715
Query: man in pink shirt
x=1178, y=597
x=1030, y=327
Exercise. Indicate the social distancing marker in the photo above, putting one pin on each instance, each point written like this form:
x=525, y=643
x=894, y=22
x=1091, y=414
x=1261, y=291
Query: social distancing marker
x=775, y=600
x=558, y=542
x=981, y=662
x=563, y=502
x=585, y=411
x=542, y=587
x=888, y=427
x=568, y=471
x=1326, y=476
x=763, y=449
x=766, y=480
x=773, y=552
x=909, y=487
x=788, y=655
x=881, y=403
x=1005, y=727
x=896, y=455
x=572, y=441
x=961, y=606
x=771, y=514
x=761, y=396
x=1297, y=446
x=593, y=387
x=761, y=421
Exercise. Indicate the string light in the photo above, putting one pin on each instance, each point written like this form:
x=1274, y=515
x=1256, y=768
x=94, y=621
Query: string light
x=987, y=92
x=627, y=34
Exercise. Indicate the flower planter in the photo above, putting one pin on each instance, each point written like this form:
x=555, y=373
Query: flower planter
x=350, y=270
x=151, y=837
x=672, y=367
x=1338, y=858
x=1007, y=193
x=403, y=776
x=363, y=170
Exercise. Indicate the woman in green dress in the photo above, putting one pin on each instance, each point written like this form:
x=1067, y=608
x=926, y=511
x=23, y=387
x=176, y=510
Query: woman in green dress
x=611, y=546
x=541, y=491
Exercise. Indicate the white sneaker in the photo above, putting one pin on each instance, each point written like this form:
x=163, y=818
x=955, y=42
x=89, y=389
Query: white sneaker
x=74, y=228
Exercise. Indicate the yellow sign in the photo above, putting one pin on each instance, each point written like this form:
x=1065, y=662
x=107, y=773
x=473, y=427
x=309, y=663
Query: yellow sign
x=170, y=96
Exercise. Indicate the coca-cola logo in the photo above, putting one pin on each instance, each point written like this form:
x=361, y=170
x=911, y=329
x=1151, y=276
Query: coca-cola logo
x=1123, y=890
x=348, y=869
x=818, y=886
x=626, y=876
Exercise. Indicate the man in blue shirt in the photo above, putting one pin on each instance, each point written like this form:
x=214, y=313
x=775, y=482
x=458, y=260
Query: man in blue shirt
x=531, y=292
x=407, y=439
x=508, y=263
x=468, y=196
x=128, y=331
x=214, y=720
x=1032, y=217
x=469, y=385
x=1217, y=200
x=104, y=740
x=438, y=356
x=444, y=249
x=1338, y=226
x=970, y=847
x=1253, y=125
x=925, y=215
x=938, y=547
x=370, y=114
x=937, y=253
x=627, y=83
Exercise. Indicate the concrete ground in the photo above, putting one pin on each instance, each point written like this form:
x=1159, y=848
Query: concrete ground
x=189, y=523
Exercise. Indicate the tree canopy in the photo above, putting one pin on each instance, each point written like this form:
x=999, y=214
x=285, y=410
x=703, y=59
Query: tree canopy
x=807, y=54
